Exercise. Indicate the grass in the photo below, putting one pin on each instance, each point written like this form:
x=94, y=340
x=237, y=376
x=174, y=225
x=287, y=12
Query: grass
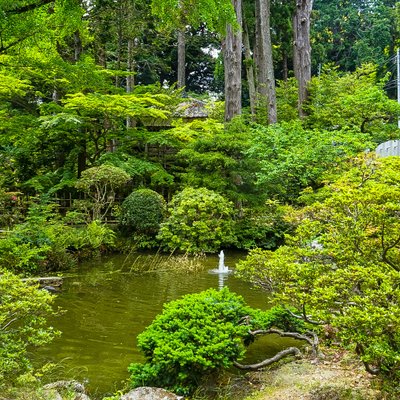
x=157, y=262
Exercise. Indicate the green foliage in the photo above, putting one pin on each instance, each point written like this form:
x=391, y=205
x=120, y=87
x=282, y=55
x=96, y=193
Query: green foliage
x=216, y=160
x=193, y=337
x=116, y=106
x=141, y=171
x=216, y=14
x=95, y=237
x=291, y=158
x=37, y=244
x=11, y=208
x=141, y=215
x=199, y=335
x=100, y=184
x=11, y=86
x=43, y=242
x=262, y=226
x=23, y=312
x=352, y=100
x=356, y=32
x=342, y=264
x=200, y=220
x=38, y=25
x=287, y=100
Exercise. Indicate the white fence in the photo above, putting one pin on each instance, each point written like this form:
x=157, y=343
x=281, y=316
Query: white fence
x=390, y=148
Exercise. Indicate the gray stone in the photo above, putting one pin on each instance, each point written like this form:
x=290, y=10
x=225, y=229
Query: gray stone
x=74, y=386
x=81, y=396
x=51, y=394
x=150, y=393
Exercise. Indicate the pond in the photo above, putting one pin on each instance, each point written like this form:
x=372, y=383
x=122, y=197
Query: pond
x=106, y=306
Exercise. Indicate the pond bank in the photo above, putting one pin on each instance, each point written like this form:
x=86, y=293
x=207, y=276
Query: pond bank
x=337, y=377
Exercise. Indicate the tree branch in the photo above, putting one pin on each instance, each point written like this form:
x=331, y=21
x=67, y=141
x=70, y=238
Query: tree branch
x=305, y=317
x=313, y=342
x=4, y=48
x=284, y=353
x=368, y=367
x=29, y=7
x=386, y=249
x=4, y=327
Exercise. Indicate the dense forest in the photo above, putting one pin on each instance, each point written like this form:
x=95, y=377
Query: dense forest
x=190, y=126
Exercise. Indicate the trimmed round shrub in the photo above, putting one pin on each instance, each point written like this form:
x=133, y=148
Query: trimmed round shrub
x=142, y=212
x=200, y=221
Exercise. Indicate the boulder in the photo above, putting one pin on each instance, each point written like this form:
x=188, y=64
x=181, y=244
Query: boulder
x=150, y=393
x=81, y=396
x=51, y=394
x=74, y=386
x=64, y=389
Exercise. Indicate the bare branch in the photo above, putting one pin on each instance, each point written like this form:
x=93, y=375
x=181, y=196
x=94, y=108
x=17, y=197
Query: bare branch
x=284, y=353
x=4, y=327
x=305, y=317
x=311, y=339
x=368, y=367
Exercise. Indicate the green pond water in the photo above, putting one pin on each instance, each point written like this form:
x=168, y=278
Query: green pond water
x=106, y=306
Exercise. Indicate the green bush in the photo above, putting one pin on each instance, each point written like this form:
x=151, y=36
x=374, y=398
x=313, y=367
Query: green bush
x=37, y=244
x=10, y=208
x=200, y=221
x=199, y=335
x=141, y=215
x=262, y=227
x=43, y=242
x=23, y=313
x=290, y=158
x=94, y=237
x=193, y=337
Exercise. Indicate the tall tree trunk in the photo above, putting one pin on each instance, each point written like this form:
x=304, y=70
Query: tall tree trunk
x=120, y=39
x=261, y=77
x=77, y=46
x=181, y=58
x=82, y=155
x=130, y=79
x=261, y=73
x=130, y=67
x=101, y=56
x=233, y=66
x=267, y=65
x=249, y=63
x=285, y=68
x=302, y=49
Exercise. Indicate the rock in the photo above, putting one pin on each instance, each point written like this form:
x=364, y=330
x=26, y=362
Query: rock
x=69, y=385
x=54, y=281
x=81, y=396
x=51, y=394
x=150, y=393
x=51, y=289
x=71, y=390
